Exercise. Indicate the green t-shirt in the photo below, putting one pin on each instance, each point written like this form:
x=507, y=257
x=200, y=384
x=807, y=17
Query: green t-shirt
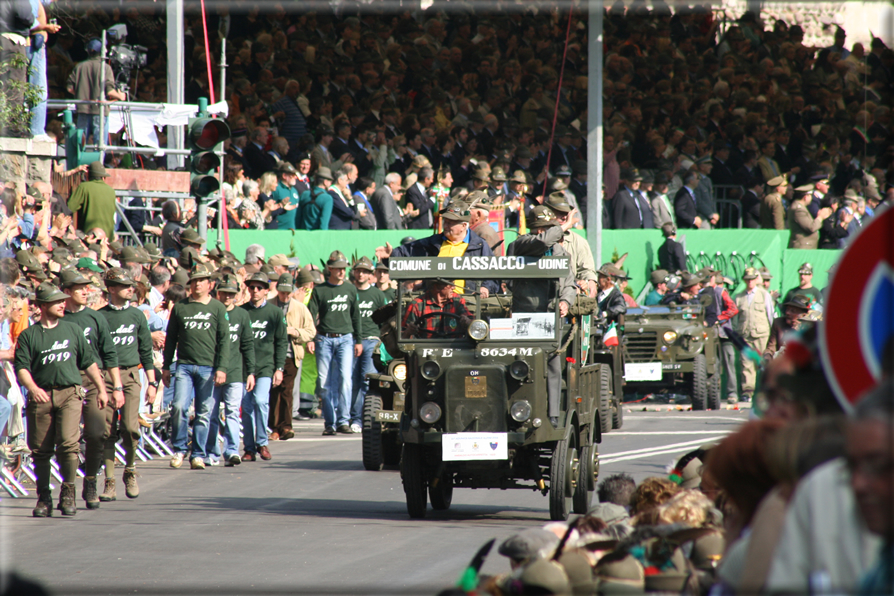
x=390, y=294
x=94, y=202
x=198, y=333
x=130, y=334
x=369, y=300
x=337, y=309
x=242, y=347
x=54, y=356
x=653, y=298
x=96, y=332
x=270, y=337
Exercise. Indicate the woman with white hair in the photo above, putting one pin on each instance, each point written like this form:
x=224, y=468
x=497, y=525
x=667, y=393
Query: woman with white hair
x=249, y=210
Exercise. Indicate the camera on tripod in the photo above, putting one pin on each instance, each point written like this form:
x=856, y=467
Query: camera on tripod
x=124, y=58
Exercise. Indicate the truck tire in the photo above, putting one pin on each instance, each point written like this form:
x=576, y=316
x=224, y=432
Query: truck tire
x=698, y=389
x=372, y=434
x=605, y=398
x=562, y=478
x=618, y=415
x=441, y=495
x=583, y=490
x=714, y=391
x=412, y=473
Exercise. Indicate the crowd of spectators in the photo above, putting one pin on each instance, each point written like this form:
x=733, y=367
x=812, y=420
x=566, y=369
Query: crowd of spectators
x=699, y=107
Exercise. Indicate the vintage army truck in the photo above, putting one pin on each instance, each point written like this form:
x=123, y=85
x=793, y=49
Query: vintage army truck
x=669, y=347
x=469, y=396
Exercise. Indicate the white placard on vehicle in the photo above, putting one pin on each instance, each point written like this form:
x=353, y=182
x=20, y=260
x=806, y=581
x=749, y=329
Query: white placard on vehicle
x=642, y=371
x=474, y=446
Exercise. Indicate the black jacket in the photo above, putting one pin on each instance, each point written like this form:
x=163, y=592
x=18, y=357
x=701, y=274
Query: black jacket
x=751, y=210
x=259, y=161
x=424, y=205
x=431, y=246
x=684, y=209
x=626, y=216
x=613, y=305
x=671, y=256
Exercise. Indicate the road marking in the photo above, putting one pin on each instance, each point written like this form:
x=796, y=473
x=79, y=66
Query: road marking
x=669, y=432
x=658, y=448
x=695, y=418
x=607, y=461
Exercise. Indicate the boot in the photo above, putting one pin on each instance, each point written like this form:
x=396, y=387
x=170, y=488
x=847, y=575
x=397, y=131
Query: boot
x=131, y=488
x=67, y=499
x=108, y=493
x=44, y=507
x=89, y=492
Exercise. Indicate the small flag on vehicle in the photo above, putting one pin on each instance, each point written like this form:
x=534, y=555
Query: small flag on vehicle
x=611, y=336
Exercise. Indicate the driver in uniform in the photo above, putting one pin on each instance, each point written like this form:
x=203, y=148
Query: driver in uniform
x=438, y=313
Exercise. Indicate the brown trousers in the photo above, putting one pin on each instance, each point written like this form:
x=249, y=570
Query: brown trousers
x=101, y=426
x=125, y=422
x=280, y=418
x=53, y=428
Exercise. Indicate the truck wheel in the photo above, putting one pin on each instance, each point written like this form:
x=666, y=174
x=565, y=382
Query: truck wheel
x=583, y=490
x=714, y=391
x=441, y=495
x=618, y=415
x=698, y=389
x=391, y=447
x=372, y=433
x=412, y=473
x=562, y=479
x=605, y=398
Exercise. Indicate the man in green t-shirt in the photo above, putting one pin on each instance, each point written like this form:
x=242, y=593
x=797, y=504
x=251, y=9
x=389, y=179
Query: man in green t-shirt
x=240, y=377
x=659, y=287
x=286, y=195
x=130, y=334
x=369, y=298
x=335, y=306
x=197, y=333
x=93, y=202
x=48, y=358
x=806, y=288
x=271, y=343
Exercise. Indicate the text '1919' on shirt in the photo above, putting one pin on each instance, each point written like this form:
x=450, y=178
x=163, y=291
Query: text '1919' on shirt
x=199, y=334
x=53, y=356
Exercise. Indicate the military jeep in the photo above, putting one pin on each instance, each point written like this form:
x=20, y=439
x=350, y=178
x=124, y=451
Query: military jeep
x=669, y=347
x=473, y=405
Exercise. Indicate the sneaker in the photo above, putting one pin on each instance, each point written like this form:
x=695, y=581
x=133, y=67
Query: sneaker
x=177, y=460
x=197, y=463
x=233, y=460
x=329, y=432
x=131, y=488
x=356, y=429
x=344, y=429
x=213, y=461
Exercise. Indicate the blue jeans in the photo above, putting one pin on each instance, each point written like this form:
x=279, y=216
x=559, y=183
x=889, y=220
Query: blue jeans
x=335, y=362
x=168, y=396
x=230, y=395
x=89, y=123
x=5, y=411
x=255, y=410
x=362, y=366
x=192, y=382
x=38, y=77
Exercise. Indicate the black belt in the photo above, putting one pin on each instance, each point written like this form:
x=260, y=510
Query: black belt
x=334, y=334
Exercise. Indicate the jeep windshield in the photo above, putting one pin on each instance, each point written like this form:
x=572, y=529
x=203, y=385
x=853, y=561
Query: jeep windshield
x=437, y=302
x=664, y=310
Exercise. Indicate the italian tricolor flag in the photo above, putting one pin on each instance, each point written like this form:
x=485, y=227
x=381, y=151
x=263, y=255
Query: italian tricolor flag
x=611, y=336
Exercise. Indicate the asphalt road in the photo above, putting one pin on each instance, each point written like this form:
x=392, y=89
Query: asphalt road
x=310, y=521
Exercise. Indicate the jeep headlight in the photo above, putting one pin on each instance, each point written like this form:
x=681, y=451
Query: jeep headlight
x=430, y=370
x=430, y=412
x=520, y=410
x=670, y=337
x=400, y=372
x=518, y=370
x=478, y=330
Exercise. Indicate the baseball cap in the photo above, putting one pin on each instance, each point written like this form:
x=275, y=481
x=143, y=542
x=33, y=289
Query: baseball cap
x=88, y=263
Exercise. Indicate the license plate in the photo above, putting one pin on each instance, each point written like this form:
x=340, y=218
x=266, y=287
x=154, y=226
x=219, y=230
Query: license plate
x=476, y=387
x=642, y=371
x=474, y=446
x=387, y=416
x=672, y=366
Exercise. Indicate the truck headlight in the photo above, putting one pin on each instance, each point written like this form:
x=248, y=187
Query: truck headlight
x=430, y=412
x=478, y=330
x=670, y=337
x=400, y=372
x=520, y=410
x=431, y=370
x=519, y=370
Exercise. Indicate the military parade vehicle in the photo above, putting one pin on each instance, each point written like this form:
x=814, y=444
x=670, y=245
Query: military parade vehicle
x=670, y=348
x=467, y=399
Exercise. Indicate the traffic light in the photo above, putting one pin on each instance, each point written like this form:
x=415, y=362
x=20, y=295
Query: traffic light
x=74, y=155
x=204, y=140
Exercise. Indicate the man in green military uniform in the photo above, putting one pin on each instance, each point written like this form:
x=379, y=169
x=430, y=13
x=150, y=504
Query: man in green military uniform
x=753, y=323
x=582, y=263
x=271, y=344
x=48, y=357
x=133, y=341
x=240, y=377
x=197, y=333
x=93, y=202
x=97, y=421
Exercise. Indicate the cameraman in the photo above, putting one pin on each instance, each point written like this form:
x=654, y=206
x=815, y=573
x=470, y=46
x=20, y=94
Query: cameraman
x=85, y=84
